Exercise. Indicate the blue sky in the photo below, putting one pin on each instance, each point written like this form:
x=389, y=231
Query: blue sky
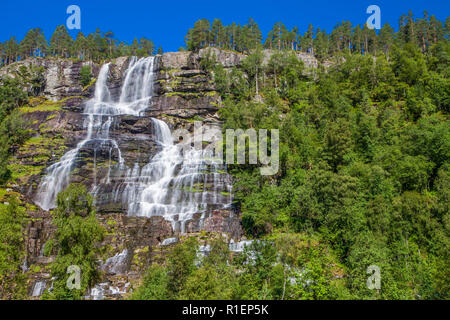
x=166, y=22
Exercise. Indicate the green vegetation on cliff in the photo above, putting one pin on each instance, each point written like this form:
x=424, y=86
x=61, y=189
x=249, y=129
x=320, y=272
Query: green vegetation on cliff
x=422, y=32
x=364, y=162
x=12, y=250
x=286, y=266
x=78, y=232
x=13, y=128
x=364, y=165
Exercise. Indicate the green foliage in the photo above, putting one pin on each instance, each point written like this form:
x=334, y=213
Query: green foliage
x=13, y=128
x=181, y=264
x=364, y=175
x=214, y=278
x=85, y=75
x=11, y=96
x=426, y=34
x=12, y=250
x=78, y=232
x=208, y=283
x=154, y=285
x=208, y=62
x=364, y=151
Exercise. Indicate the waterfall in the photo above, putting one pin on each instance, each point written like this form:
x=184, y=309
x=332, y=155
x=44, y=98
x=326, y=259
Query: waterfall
x=175, y=183
x=38, y=288
x=116, y=264
x=99, y=113
x=58, y=174
x=167, y=185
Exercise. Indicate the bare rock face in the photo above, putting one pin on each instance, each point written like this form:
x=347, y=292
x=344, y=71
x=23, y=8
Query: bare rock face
x=226, y=58
x=184, y=94
x=309, y=61
x=183, y=90
x=38, y=232
x=219, y=221
x=62, y=76
x=175, y=60
x=187, y=60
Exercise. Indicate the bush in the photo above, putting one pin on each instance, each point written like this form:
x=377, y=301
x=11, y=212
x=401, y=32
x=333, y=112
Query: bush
x=85, y=75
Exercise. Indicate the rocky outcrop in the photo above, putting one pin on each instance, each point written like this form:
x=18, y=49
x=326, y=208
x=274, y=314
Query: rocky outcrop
x=226, y=58
x=62, y=76
x=223, y=221
x=309, y=61
x=184, y=94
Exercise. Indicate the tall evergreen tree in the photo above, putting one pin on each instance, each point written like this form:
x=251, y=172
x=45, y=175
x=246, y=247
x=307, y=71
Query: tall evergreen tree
x=61, y=42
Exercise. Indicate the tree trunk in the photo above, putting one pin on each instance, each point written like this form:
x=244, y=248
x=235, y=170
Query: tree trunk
x=257, y=92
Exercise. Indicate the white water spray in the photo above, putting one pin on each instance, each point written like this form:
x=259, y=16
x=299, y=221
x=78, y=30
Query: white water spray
x=174, y=184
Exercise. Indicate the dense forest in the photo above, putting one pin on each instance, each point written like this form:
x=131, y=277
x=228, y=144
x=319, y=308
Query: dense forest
x=364, y=175
x=364, y=165
x=422, y=32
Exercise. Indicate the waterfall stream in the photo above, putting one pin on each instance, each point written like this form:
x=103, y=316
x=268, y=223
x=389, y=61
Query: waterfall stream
x=175, y=183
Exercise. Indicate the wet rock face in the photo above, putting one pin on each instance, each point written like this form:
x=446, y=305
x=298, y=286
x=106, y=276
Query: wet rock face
x=183, y=94
x=182, y=89
x=97, y=161
x=38, y=232
x=218, y=221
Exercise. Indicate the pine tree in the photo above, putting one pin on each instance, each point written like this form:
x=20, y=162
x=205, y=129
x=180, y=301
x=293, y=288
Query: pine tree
x=386, y=38
x=80, y=46
x=321, y=44
x=436, y=30
x=423, y=32
x=109, y=37
x=34, y=43
x=148, y=46
x=254, y=34
x=199, y=36
x=308, y=38
x=61, y=42
x=357, y=39
x=217, y=33
x=11, y=51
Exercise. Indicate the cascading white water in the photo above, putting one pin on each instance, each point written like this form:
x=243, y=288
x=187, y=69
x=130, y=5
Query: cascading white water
x=39, y=288
x=175, y=184
x=99, y=113
x=58, y=174
x=116, y=264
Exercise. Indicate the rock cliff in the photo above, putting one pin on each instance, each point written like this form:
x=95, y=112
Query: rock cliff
x=183, y=94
